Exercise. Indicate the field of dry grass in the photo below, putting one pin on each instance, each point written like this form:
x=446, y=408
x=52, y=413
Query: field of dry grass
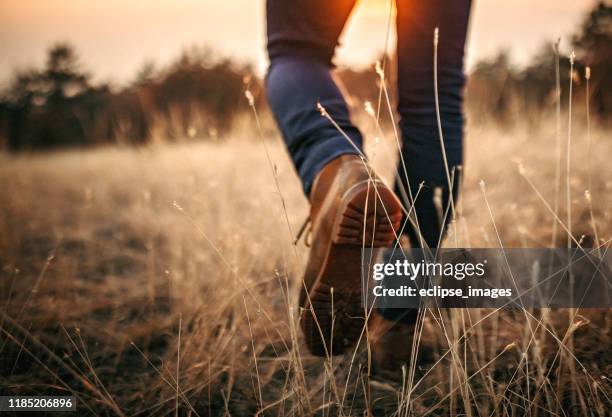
x=163, y=280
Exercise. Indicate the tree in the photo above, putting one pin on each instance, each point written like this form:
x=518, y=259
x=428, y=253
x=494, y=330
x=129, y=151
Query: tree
x=45, y=107
x=593, y=45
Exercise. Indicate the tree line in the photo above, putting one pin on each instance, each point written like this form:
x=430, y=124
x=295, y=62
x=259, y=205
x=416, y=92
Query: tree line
x=201, y=96
x=59, y=105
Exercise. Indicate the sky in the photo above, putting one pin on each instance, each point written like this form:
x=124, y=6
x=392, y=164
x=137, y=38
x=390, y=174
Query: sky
x=115, y=38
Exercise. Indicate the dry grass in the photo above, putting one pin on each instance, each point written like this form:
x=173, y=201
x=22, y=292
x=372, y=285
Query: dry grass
x=163, y=280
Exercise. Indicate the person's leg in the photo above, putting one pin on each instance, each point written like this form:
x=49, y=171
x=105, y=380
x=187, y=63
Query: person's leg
x=345, y=195
x=422, y=153
x=302, y=37
x=422, y=157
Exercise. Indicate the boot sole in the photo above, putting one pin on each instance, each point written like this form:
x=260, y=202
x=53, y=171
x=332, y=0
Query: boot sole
x=336, y=295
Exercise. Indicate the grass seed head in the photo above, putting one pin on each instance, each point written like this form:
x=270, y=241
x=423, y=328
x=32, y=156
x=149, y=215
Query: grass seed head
x=379, y=70
x=321, y=109
x=249, y=97
x=369, y=109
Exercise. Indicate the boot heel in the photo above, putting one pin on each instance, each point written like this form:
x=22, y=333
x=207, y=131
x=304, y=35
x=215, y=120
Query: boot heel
x=370, y=218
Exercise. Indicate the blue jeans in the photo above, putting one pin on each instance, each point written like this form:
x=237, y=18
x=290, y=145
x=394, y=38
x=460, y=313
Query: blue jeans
x=302, y=37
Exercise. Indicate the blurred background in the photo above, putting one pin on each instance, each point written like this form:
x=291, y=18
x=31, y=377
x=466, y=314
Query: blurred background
x=77, y=74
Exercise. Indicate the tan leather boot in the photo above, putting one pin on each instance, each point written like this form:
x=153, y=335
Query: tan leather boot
x=350, y=209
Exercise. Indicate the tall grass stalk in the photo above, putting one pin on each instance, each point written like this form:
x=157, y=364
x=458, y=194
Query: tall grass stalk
x=436, y=37
x=557, y=138
x=568, y=195
x=251, y=100
x=568, y=156
x=178, y=366
x=588, y=193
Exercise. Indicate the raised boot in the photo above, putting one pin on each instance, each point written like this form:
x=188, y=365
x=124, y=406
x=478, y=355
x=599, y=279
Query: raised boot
x=350, y=210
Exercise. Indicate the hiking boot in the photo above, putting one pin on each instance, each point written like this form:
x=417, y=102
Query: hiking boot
x=350, y=210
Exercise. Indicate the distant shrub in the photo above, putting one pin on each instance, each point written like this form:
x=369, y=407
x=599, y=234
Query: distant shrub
x=59, y=106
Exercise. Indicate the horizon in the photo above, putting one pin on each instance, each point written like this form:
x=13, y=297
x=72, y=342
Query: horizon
x=167, y=28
